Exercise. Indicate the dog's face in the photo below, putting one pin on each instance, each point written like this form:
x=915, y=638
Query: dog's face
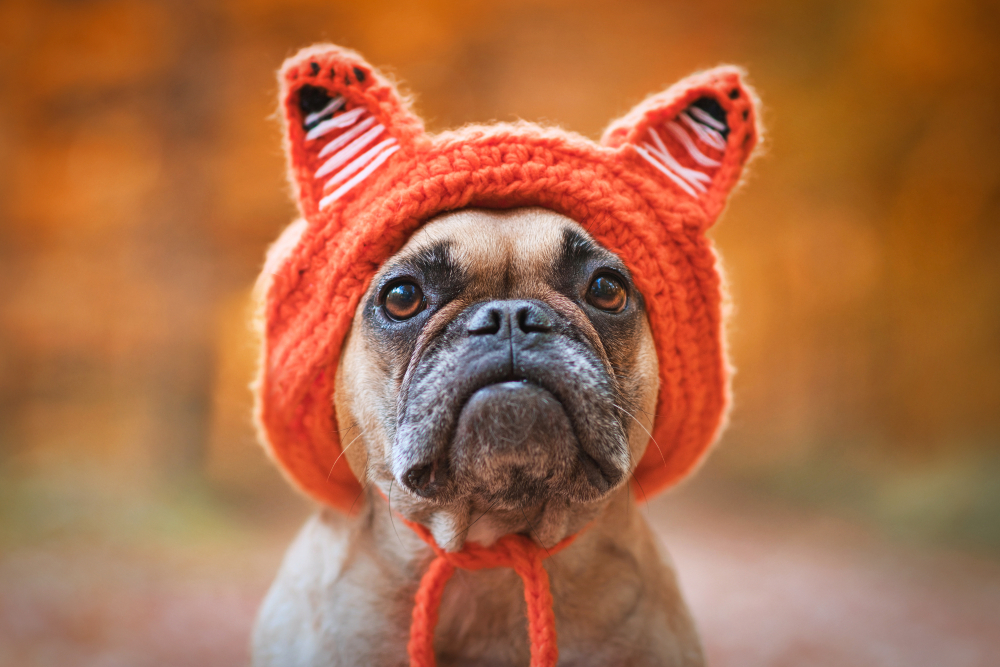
x=499, y=374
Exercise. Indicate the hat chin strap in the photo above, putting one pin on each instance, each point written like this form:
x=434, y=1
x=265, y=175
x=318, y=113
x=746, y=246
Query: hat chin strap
x=514, y=551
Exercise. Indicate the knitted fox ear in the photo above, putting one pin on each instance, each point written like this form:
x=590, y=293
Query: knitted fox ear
x=693, y=138
x=343, y=121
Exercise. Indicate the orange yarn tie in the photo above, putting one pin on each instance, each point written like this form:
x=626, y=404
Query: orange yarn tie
x=513, y=551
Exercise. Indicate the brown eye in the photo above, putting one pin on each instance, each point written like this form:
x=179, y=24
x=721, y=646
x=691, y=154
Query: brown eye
x=607, y=293
x=403, y=301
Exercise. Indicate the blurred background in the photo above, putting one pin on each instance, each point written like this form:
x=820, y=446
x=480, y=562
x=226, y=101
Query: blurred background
x=141, y=179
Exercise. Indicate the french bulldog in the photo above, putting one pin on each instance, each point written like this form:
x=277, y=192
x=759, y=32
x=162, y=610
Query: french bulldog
x=499, y=377
x=476, y=346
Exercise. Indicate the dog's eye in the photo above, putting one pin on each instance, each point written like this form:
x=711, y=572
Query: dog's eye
x=607, y=293
x=403, y=301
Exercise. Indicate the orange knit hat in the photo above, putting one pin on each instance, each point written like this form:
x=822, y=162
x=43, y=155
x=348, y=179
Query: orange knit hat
x=366, y=176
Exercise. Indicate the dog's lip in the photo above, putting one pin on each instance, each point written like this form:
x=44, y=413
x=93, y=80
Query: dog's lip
x=598, y=465
x=586, y=458
x=592, y=468
x=514, y=383
x=515, y=380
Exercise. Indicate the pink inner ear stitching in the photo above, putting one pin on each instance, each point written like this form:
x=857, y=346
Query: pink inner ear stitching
x=344, y=137
x=341, y=156
x=333, y=103
x=695, y=177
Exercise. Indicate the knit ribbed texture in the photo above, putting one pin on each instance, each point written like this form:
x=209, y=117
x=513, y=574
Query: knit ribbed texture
x=514, y=551
x=632, y=193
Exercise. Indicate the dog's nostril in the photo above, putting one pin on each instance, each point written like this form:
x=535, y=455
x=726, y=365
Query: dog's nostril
x=486, y=322
x=501, y=317
x=421, y=479
x=531, y=319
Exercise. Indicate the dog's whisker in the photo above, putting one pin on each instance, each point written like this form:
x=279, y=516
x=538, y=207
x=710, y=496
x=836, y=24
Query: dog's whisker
x=628, y=488
x=391, y=520
x=631, y=471
x=531, y=531
x=364, y=487
x=487, y=511
x=342, y=452
x=641, y=490
x=644, y=429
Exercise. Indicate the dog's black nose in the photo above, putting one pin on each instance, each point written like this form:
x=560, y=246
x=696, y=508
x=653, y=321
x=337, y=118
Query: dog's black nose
x=511, y=317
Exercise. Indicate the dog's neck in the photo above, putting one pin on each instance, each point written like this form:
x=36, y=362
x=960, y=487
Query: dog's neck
x=380, y=519
x=454, y=525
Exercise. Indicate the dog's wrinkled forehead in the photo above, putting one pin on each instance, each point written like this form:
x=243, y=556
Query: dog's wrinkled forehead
x=497, y=253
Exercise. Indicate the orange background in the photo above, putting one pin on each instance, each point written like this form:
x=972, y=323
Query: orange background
x=141, y=179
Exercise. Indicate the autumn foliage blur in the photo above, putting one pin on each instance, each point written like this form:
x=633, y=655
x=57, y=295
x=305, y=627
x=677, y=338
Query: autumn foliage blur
x=141, y=179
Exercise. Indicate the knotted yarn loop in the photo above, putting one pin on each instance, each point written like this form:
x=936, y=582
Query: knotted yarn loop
x=514, y=551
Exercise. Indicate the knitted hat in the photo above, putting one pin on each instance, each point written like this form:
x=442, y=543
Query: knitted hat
x=366, y=176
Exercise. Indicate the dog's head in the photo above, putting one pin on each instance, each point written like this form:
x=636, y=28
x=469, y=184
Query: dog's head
x=500, y=364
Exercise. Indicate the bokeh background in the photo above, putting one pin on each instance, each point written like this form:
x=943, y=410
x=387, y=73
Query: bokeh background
x=850, y=515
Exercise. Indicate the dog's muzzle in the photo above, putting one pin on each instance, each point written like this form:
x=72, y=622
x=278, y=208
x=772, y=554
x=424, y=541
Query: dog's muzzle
x=509, y=403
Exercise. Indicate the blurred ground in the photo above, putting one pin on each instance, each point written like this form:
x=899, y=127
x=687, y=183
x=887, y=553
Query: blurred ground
x=769, y=587
x=776, y=587
x=141, y=179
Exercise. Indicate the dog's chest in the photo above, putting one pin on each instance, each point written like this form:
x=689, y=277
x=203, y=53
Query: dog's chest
x=482, y=620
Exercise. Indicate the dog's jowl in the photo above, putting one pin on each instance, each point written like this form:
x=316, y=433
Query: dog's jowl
x=478, y=348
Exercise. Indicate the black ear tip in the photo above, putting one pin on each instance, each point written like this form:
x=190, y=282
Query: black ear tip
x=711, y=106
x=312, y=99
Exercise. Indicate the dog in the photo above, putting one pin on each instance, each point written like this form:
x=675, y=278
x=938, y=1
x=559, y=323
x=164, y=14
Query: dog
x=500, y=376
x=477, y=347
